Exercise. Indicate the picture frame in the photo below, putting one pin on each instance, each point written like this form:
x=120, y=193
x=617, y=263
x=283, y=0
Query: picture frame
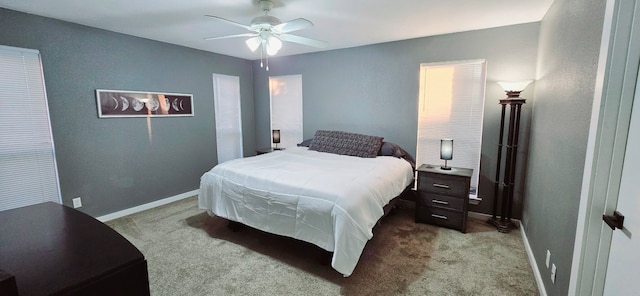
x=126, y=103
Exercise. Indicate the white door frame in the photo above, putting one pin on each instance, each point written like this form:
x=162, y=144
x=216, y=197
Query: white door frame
x=611, y=113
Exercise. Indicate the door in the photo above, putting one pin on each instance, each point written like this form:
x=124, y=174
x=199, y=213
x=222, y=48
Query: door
x=624, y=259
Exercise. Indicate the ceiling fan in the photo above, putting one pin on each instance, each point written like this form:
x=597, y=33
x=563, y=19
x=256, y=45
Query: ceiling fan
x=268, y=31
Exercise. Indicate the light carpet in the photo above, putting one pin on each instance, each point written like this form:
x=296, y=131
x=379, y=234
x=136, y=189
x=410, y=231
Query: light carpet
x=190, y=253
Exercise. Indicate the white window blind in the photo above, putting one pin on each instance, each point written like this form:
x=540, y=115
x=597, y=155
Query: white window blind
x=28, y=172
x=286, y=108
x=226, y=99
x=451, y=106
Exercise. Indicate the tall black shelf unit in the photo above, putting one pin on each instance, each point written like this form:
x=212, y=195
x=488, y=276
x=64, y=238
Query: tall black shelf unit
x=503, y=192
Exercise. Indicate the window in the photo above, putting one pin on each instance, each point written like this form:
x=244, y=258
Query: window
x=286, y=108
x=28, y=172
x=226, y=99
x=452, y=106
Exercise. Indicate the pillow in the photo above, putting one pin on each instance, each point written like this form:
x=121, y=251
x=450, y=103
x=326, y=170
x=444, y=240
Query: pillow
x=388, y=149
x=305, y=143
x=392, y=149
x=344, y=143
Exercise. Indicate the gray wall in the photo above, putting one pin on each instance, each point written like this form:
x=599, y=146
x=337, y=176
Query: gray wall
x=115, y=164
x=374, y=89
x=569, y=45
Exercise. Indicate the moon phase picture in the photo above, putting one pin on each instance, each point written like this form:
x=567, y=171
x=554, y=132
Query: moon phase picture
x=122, y=103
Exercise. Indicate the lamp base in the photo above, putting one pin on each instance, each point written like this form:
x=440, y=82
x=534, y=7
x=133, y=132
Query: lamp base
x=446, y=168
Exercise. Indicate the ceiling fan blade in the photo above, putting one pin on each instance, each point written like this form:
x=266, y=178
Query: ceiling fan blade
x=230, y=22
x=293, y=25
x=303, y=40
x=232, y=36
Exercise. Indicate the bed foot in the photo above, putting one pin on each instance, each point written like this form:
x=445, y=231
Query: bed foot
x=234, y=226
x=325, y=257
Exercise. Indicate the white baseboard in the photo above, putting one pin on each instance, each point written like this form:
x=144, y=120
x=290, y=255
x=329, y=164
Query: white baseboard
x=532, y=262
x=147, y=206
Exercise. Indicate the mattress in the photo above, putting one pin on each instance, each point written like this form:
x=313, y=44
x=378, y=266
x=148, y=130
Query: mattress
x=330, y=200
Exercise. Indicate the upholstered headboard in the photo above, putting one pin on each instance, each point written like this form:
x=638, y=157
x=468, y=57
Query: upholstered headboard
x=344, y=143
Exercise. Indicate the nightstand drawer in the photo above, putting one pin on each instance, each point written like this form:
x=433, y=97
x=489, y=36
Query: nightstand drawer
x=441, y=184
x=441, y=201
x=440, y=217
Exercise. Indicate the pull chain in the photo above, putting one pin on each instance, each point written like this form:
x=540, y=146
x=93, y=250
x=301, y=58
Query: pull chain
x=263, y=51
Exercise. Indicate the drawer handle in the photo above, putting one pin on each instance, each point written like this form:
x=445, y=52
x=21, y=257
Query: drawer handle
x=441, y=186
x=439, y=216
x=439, y=202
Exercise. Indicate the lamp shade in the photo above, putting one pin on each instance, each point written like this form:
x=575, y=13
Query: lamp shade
x=514, y=86
x=276, y=136
x=273, y=45
x=446, y=149
x=254, y=43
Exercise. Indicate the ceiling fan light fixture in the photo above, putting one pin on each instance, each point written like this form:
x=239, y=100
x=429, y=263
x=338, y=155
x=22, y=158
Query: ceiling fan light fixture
x=268, y=32
x=271, y=51
x=273, y=45
x=254, y=43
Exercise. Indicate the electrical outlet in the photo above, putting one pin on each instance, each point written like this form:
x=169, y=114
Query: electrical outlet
x=548, y=258
x=553, y=273
x=77, y=202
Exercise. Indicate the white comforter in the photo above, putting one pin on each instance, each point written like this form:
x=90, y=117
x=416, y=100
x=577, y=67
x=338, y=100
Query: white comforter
x=332, y=201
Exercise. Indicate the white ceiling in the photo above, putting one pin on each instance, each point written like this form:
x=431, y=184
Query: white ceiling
x=341, y=23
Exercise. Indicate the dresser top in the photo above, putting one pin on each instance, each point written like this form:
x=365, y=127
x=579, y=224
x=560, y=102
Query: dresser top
x=454, y=171
x=52, y=249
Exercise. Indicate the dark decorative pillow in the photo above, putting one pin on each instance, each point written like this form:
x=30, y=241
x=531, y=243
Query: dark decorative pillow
x=305, y=143
x=344, y=143
x=388, y=149
x=391, y=149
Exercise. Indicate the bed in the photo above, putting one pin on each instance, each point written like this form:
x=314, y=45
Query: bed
x=332, y=200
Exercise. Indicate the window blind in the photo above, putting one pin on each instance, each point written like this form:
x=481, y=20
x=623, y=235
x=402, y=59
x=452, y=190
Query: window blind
x=28, y=172
x=226, y=99
x=286, y=108
x=452, y=106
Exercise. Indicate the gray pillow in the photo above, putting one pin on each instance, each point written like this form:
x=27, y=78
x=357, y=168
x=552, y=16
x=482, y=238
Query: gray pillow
x=344, y=143
x=305, y=143
x=389, y=149
x=392, y=149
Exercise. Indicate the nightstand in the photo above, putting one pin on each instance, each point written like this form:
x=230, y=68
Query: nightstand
x=443, y=196
x=267, y=150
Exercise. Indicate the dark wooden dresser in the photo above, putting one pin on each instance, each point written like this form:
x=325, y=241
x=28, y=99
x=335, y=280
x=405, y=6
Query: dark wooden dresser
x=443, y=196
x=50, y=249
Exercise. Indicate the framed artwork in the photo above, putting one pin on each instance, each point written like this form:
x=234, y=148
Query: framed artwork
x=124, y=103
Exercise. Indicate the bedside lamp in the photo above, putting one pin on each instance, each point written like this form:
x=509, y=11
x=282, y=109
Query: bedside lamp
x=446, y=152
x=276, y=137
